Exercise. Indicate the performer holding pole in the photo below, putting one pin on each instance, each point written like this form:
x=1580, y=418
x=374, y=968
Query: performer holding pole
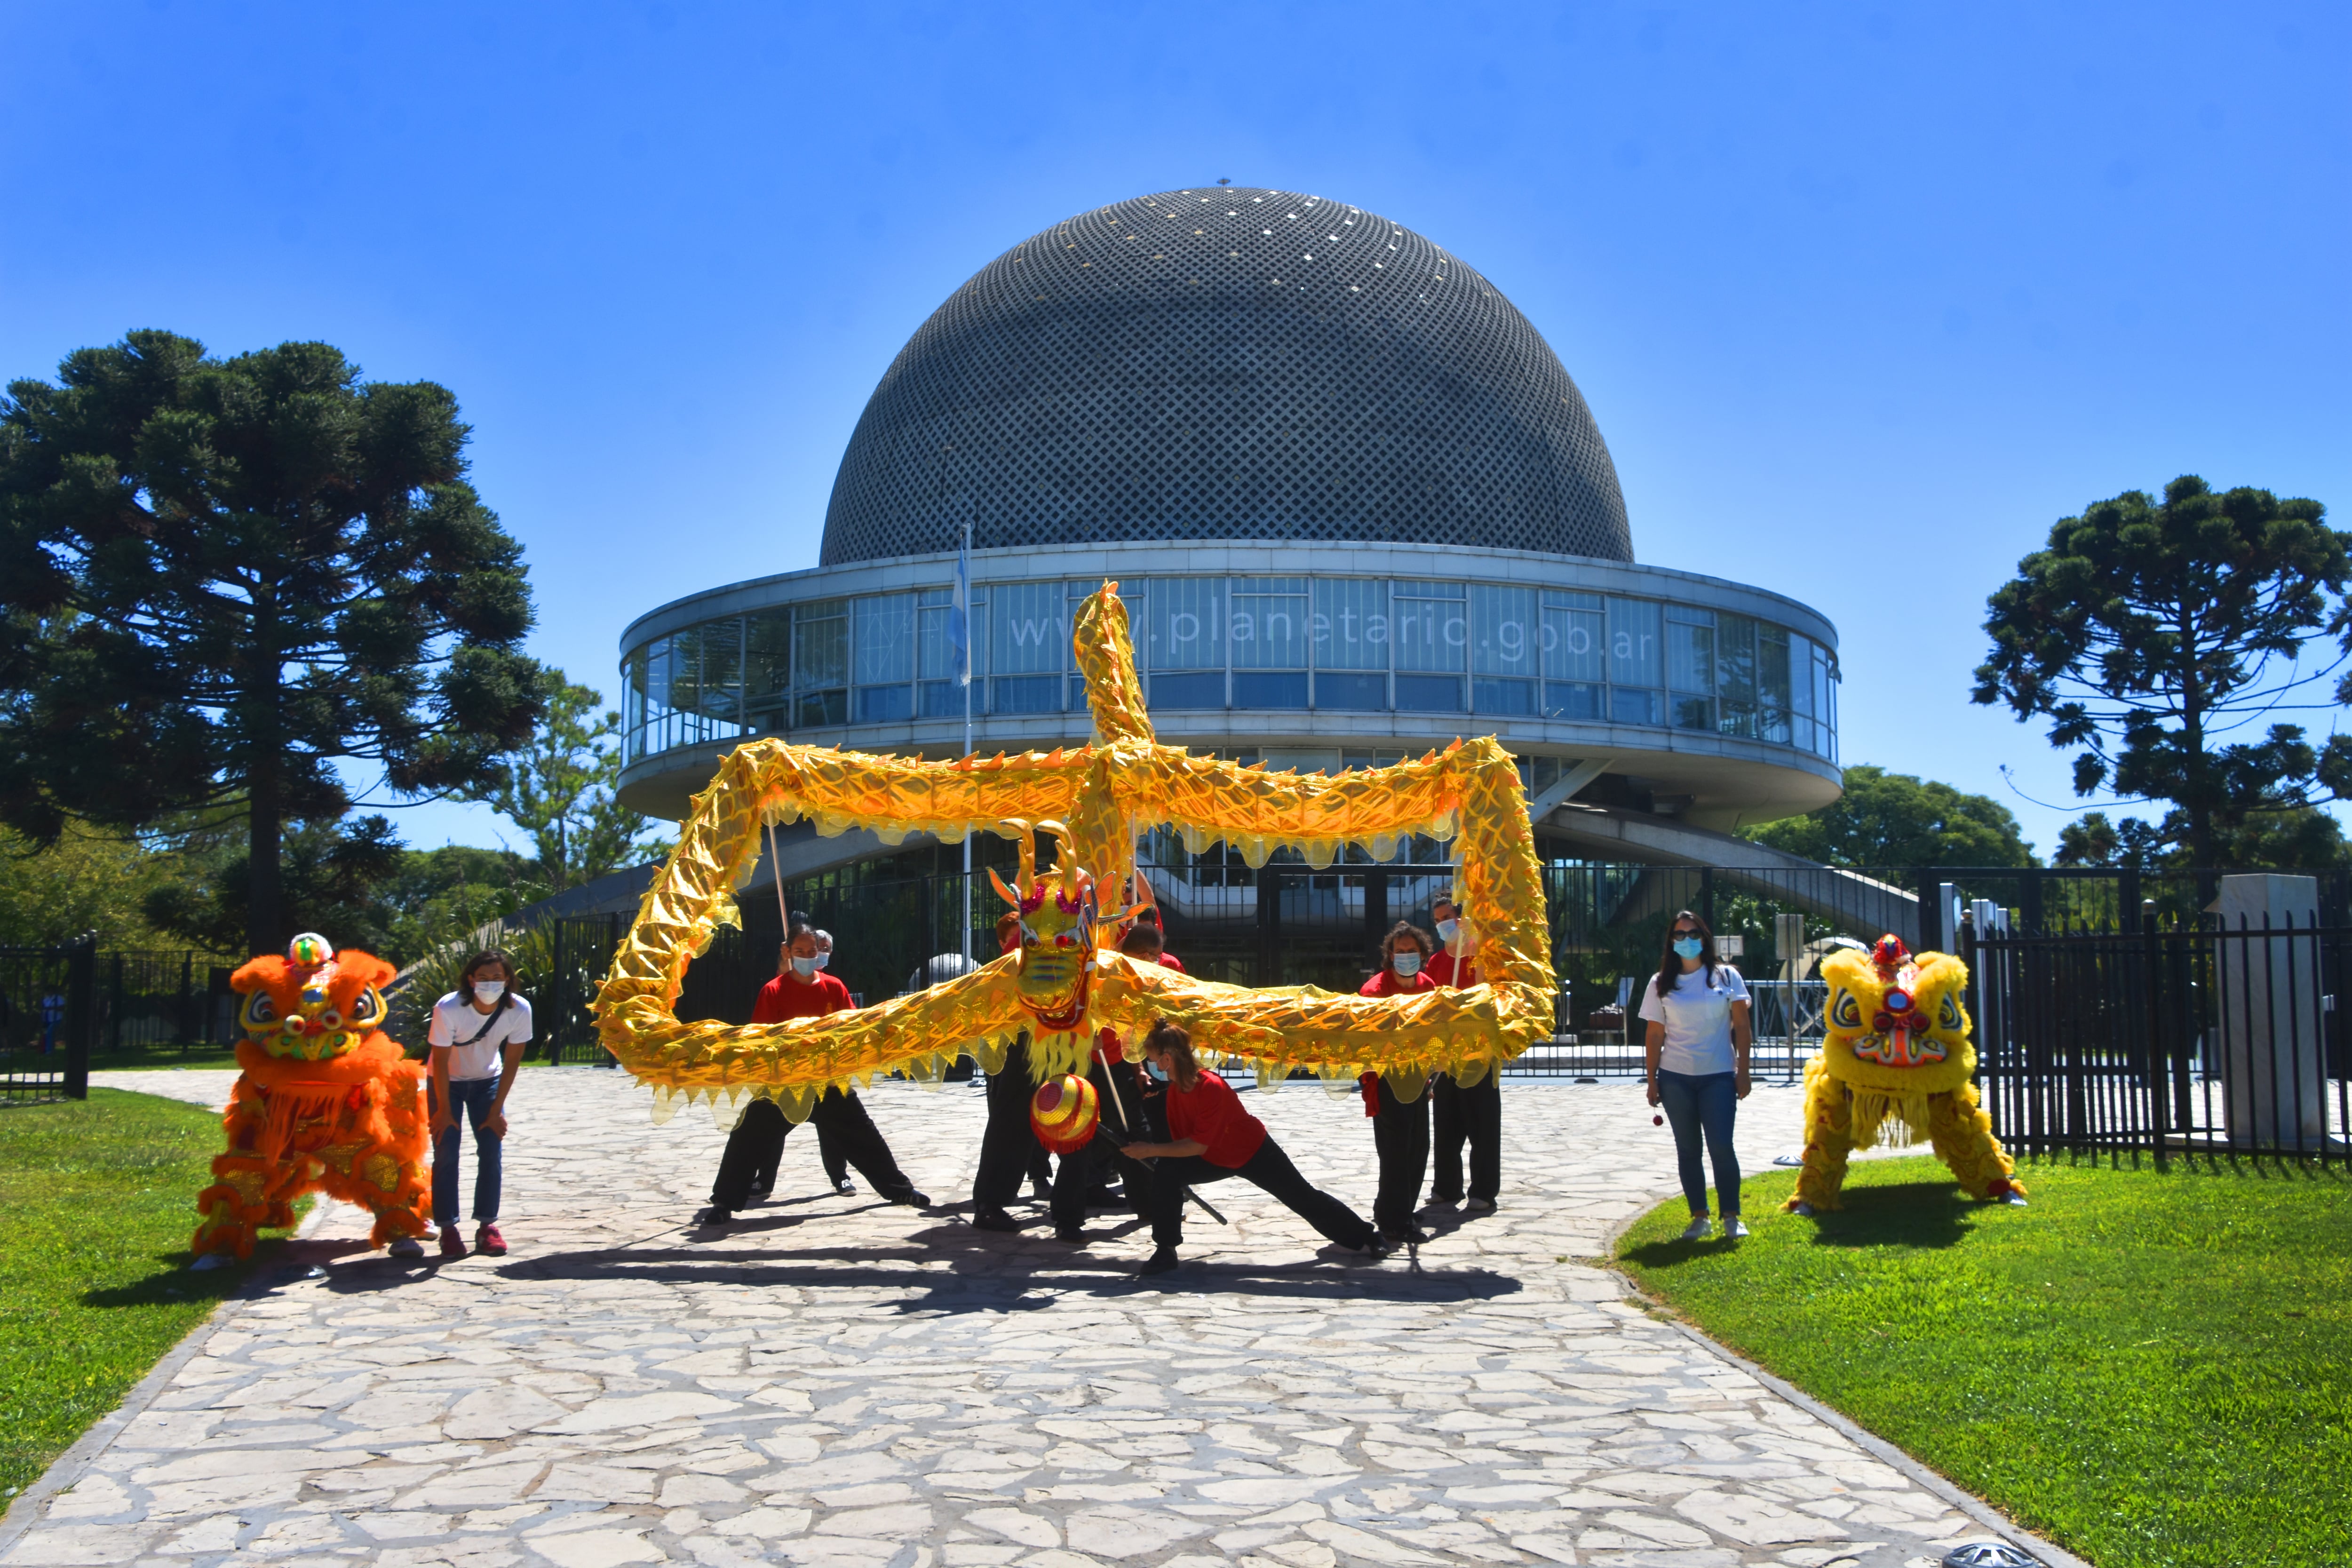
x=1459, y=1112
x=1122, y=1090
x=800, y=991
x=1211, y=1137
x=1399, y=1105
x=1008, y=1146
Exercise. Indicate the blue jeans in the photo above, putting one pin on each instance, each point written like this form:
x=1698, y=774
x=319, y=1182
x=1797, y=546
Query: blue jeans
x=1708, y=1104
x=473, y=1097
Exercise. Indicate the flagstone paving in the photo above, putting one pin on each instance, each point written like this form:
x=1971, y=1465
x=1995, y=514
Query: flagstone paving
x=838, y=1382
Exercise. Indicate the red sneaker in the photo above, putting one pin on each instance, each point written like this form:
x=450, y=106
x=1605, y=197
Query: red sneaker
x=487, y=1239
x=453, y=1245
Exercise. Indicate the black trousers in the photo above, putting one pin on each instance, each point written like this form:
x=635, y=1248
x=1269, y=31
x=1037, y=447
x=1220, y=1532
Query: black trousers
x=760, y=1138
x=828, y=1153
x=1081, y=1183
x=1270, y=1171
x=1474, y=1115
x=1401, y=1138
x=1009, y=1149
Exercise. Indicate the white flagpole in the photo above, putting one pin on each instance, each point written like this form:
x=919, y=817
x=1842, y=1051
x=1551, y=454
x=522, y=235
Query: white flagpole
x=963, y=673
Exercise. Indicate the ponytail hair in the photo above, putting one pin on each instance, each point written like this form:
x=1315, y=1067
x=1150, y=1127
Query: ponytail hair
x=1178, y=1045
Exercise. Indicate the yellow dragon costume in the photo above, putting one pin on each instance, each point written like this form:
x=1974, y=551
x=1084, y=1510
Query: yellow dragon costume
x=326, y=1102
x=1896, y=1064
x=1067, y=980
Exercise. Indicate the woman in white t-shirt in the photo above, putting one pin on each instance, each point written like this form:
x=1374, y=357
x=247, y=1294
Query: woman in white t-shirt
x=1696, y=1053
x=477, y=1036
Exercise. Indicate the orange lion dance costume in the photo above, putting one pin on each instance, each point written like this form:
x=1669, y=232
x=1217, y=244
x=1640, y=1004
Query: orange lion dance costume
x=326, y=1102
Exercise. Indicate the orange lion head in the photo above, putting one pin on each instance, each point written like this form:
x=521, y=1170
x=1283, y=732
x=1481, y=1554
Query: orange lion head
x=313, y=1004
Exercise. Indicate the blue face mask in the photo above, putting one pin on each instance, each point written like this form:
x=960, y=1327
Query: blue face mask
x=804, y=967
x=1688, y=947
x=1406, y=964
x=1155, y=1069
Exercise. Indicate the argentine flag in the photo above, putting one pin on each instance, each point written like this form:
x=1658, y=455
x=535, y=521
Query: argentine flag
x=960, y=613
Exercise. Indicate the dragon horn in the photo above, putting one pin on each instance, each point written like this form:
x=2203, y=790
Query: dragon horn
x=1019, y=829
x=1064, y=863
x=1009, y=896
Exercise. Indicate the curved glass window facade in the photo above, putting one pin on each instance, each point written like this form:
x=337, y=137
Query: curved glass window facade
x=1337, y=643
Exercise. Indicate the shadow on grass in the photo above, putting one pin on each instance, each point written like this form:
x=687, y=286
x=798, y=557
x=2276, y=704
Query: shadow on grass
x=1921, y=1215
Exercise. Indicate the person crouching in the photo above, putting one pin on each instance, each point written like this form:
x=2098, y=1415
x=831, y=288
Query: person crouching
x=1211, y=1138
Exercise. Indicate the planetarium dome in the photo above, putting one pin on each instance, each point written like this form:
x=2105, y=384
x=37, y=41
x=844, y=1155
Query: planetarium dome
x=1223, y=364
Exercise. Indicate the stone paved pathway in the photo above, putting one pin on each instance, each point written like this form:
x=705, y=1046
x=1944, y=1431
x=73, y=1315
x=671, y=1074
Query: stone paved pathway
x=837, y=1381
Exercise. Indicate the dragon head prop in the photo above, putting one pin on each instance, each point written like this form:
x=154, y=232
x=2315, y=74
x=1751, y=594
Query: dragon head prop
x=1060, y=927
x=1895, y=1020
x=314, y=1004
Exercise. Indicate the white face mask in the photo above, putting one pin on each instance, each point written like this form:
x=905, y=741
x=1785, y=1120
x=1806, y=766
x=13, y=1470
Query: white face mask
x=1445, y=930
x=824, y=957
x=488, y=990
x=806, y=968
x=1407, y=965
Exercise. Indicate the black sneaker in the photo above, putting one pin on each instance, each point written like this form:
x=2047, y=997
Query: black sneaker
x=1380, y=1247
x=1074, y=1235
x=1412, y=1233
x=1163, y=1261
x=846, y=1187
x=994, y=1219
x=1040, y=1192
x=714, y=1216
x=760, y=1194
x=912, y=1199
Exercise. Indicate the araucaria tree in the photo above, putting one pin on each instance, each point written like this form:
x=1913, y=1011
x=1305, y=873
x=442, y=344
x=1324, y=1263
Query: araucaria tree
x=2158, y=637
x=219, y=578
x=559, y=789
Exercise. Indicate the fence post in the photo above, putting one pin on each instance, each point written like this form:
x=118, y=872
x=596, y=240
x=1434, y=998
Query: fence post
x=1269, y=924
x=81, y=999
x=1929, y=889
x=2159, y=1018
x=1707, y=896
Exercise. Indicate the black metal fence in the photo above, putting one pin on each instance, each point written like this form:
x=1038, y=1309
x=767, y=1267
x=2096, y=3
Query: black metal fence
x=48, y=1015
x=2220, y=1039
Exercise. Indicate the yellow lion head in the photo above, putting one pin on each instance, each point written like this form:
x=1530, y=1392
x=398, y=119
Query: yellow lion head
x=1897, y=1021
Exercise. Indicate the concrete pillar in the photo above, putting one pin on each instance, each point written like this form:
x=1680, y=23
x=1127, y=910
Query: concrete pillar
x=2273, y=1049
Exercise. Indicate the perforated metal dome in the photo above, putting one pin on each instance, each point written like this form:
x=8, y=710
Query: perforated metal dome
x=1226, y=365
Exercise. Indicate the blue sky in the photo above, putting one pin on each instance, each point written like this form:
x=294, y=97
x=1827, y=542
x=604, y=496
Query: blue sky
x=1863, y=299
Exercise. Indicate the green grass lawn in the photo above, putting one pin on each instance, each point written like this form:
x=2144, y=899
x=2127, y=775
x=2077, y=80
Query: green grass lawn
x=2147, y=1369
x=97, y=1202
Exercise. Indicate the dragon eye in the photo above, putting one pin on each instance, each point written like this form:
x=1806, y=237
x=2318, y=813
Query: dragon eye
x=1844, y=1011
x=1947, y=1012
x=367, y=1013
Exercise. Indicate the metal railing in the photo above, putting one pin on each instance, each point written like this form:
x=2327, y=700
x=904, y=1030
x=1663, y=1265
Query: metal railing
x=48, y=1015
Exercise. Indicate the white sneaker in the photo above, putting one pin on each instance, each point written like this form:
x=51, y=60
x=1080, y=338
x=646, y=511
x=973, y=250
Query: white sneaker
x=1699, y=1229
x=406, y=1247
x=1732, y=1229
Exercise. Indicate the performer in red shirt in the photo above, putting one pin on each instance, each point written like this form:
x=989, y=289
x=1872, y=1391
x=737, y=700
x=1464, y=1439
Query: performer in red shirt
x=1125, y=1101
x=1474, y=1115
x=758, y=1139
x=1400, y=1127
x=1211, y=1137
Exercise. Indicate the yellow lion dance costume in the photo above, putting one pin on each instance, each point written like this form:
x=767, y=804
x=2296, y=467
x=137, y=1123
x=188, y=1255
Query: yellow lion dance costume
x=1895, y=1061
x=326, y=1102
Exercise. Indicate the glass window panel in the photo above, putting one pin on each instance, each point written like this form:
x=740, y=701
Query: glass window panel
x=1691, y=712
x=1575, y=644
x=1026, y=694
x=1628, y=705
x=1351, y=691
x=1030, y=632
x=1634, y=656
x=1573, y=699
x=945, y=700
x=1197, y=689
x=1506, y=636
x=1268, y=687
x=1773, y=714
x=1187, y=619
x=1268, y=625
x=934, y=645
x=1428, y=693
x=821, y=644
x=767, y=674
x=1568, y=599
x=885, y=639
x=1431, y=633
x=885, y=704
x=1690, y=652
x=1800, y=676
x=1735, y=660
x=816, y=709
x=1515, y=698
x=1351, y=627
